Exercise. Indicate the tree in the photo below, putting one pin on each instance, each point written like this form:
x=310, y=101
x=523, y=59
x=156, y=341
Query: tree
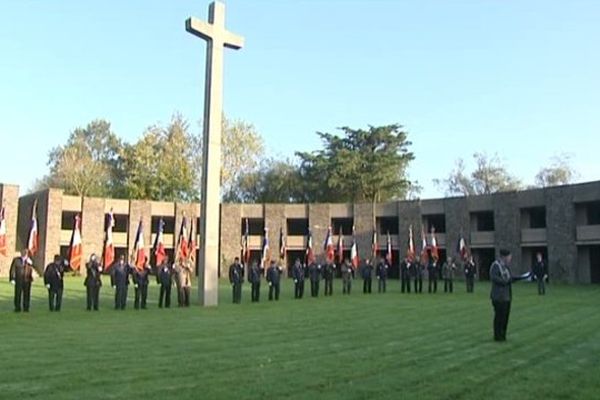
x=89, y=164
x=560, y=172
x=489, y=176
x=361, y=165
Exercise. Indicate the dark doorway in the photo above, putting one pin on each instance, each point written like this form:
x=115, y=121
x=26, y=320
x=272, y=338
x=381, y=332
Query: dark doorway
x=595, y=264
x=484, y=257
x=291, y=257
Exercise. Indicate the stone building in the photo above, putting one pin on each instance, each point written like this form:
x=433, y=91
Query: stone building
x=563, y=223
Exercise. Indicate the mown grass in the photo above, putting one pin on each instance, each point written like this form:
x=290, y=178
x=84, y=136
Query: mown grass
x=357, y=347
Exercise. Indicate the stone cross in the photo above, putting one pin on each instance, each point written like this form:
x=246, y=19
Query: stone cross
x=216, y=37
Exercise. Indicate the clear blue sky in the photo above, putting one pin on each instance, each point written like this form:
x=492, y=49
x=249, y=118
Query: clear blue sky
x=521, y=78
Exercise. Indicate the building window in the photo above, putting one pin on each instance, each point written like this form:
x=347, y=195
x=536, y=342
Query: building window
x=121, y=223
x=482, y=221
x=387, y=224
x=437, y=221
x=343, y=224
x=297, y=226
x=534, y=218
x=68, y=220
x=256, y=226
x=169, y=224
x=593, y=213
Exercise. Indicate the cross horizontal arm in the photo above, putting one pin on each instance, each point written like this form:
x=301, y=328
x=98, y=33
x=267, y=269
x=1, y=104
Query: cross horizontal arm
x=199, y=28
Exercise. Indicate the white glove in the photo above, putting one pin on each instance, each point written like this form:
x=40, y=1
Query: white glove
x=12, y=282
x=270, y=284
x=295, y=280
x=113, y=286
x=135, y=286
x=100, y=269
x=48, y=286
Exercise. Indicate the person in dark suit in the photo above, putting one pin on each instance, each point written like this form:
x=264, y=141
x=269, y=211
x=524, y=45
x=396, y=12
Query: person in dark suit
x=501, y=293
x=382, y=274
x=92, y=283
x=432, y=273
x=165, y=279
x=418, y=272
x=328, y=273
x=540, y=273
x=448, y=270
x=140, y=283
x=405, y=267
x=298, y=275
x=470, y=272
x=119, y=280
x=274, y=278
x=255, y=276
x=53, y=280
x=314, y=274
x=347, y=276
x=367, y=275
x=21, y=276
x=236, y=278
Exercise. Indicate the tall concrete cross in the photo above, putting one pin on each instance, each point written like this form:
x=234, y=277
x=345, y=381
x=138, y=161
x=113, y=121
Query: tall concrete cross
x=216, y=37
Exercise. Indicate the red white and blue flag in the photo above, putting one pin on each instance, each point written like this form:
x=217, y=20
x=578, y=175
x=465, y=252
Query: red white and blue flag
x=374, y=245
x=75, y=247
x=282, y=246
x=410, y=252
x=2, y=231
x=310, y=254
x=139, y=247
x=354, y=251
x=108, y=256
x=246, y=245
x=461, y=248
x=340, y=247
x=266, y=251
x=32, y=242
x=424, y=256
x=388, y=255
x=159, y=247
x=328, y=246
x=434, y=247
x=192, y=243
x=182, y=240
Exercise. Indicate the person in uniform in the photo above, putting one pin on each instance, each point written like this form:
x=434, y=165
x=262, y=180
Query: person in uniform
x=328, y=273
x=165, y=279
x=501, y=292
x=432, y=273
x=236, y=278
x=382, y=274
x=53, y=280
x=470, y=272
x=183, y=277
x=21, y=276
x=418, y=272
x=314, y=273
x=347, y=276
x=367, y=275
x=298, y=275
x=119, y=280
x=405, y=267
x=540, y=273
x=448, y=270
x=274, y=278
x=92, y=283
x=254, y=276
x=140, y=283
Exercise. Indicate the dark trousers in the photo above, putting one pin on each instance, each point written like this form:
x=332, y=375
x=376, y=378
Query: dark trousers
x=299, y=289
x=418, y=284
x=346, y=286
x=141, y=294
x=328, y=287
x=237, y=293
x=432, y=284
x=274, y=291
x=501, y=313
x=470, y=284
x=55, y=299
x=367, y=285
x=381, y=285
x=92, y=297
x=22, y=296
x=541, y=286
x=405, y=285
x=120, y=297
x=448, y=285
x=179, y=296
x=314, y=288
x=185, y=296
x=165, y=294
x=255, y=292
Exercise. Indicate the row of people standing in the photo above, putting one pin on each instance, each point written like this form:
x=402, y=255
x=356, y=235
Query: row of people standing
x=413, y=271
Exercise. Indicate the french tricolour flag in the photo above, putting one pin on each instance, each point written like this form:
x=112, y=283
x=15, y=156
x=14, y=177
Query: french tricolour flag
x=76, y=246
x=139, y=250
x=328, y=246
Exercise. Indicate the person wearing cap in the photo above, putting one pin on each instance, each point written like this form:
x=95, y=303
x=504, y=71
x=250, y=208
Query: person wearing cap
x=140, y=283
x=501, y=292
x=405, y=267
x=470, y=272
x=92, y=283
x=298, y=275
x=382, y=274
x=328, y=273
x=274, y=278
x=236, y=278
x=347, y=270
x=367, y=275
x=21, y=276
x=314, y=274
x=448, y=270
x=165, y=279
x=53, y=279
x=254, y=277
x=119, y=280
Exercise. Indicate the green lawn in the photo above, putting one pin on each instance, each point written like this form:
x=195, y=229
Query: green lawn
x=359, y=347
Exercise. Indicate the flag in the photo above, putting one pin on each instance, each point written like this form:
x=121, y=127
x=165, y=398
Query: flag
x=192, y=244
x=328, y=246
x=75, y=247
x=138, y=247
x=424, y=257
x=310, y=254
x=340, y=247
x=354, y=251
x=461, y=247
x=159, y=248
x=388, y=255
x=434, y=246
x=182, y=245
x=109, y=248
x=410, y=252
x=32, y=242
x=245, y=245
x=281, y=244
x=374, y=244
x=2, y=231
x=266, y=252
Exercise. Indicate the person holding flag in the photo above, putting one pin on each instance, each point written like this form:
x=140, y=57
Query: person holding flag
x=432, y=266
x=93, y=283
x=406, y=265
x=160, y=253
x=266, y=250
x=354, y=258
x=141, y=277
x=298, y=272
x=182, y=240
x=246, y=246
x=282, y=246
x=53, y=279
